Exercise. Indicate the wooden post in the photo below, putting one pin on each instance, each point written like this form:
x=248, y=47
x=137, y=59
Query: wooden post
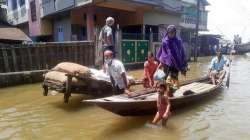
x=151, y=41
x=45, y=90
x=6, y=61
x=69, y=53
x=78, y=53
x=92, y=55
x=23, y=59
x=63, y=53
x=52, y=57
x=67, y=93
x=119, y=42
x=38, y=64
x=57, y=54
x=45, y=59
x=143, y=33
x=30, y=58
x=13, y=53
x=197, y=31
x=81, y=54
x=85, y=53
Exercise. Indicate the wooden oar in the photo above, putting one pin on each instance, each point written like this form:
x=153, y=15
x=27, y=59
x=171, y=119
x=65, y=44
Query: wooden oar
x=142, y=92
x=229, y=69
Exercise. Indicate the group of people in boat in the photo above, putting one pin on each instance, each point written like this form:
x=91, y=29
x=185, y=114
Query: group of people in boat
x=171, y=58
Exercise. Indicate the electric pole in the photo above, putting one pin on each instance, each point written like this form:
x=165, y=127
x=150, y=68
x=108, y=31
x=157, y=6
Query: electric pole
x=197, y=30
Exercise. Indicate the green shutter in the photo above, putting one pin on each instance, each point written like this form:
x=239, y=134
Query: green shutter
x=142, y=50
x=128, y=51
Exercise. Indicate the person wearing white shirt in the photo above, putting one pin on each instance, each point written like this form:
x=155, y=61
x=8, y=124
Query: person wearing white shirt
x=117, y=73
x=216, y=69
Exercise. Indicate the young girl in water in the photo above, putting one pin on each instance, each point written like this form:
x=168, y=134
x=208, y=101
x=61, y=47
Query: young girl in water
x=163, y=104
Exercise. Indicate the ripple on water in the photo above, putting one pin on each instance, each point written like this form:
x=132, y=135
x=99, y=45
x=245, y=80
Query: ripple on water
x=9, y=132
x=9, y=110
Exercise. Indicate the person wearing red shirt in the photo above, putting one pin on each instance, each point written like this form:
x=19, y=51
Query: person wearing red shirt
x=150, y=67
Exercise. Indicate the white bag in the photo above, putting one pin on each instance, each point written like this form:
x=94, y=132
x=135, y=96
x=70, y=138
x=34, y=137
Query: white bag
x=159, y=75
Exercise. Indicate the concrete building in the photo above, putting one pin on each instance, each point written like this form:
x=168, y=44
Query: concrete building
x=82, y=19
x=67, y=20
x=188, y=19
x=17, y=14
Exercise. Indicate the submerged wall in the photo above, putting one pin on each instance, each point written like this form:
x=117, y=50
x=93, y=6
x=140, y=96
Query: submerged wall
x=17, y=78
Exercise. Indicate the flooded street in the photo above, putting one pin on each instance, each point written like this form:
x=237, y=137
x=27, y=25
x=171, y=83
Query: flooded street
x=25, y=114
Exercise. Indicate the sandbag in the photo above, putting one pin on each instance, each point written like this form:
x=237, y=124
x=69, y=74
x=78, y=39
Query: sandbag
x=60, y=77
x=73, y=68
x=56, y=76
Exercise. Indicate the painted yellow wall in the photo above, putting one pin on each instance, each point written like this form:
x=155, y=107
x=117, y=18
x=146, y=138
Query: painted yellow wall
x=46, y=27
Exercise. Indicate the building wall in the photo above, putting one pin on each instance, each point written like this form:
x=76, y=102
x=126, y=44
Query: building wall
x=62, y=4
x=77, y=16
x=135, y=18
x=65, y=23
x=157, y=18
x=52, y=6
x=48, y=7
x=35, y=26
x=40, y=27
x=24, y=27
x=46, y=27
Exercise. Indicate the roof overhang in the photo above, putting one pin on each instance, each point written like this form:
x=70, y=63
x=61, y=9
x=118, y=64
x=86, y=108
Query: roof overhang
x=9, y=33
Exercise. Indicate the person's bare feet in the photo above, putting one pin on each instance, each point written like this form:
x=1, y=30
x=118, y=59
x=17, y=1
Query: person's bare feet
x=127, y=92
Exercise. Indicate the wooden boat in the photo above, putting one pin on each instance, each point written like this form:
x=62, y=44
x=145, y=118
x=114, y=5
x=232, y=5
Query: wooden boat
x=143, y=104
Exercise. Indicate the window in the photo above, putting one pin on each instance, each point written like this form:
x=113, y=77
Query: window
x=33, y=10
x=14, y=5
x=3, y=2
x=21, y=2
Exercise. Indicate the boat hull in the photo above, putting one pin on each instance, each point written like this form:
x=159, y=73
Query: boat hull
x=140, y=106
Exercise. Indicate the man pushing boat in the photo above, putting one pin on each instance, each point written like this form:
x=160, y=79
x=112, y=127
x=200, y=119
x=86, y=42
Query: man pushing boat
x=117, y=73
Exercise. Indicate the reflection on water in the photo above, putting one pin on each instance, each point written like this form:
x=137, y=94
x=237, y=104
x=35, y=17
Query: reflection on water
x=26, y=114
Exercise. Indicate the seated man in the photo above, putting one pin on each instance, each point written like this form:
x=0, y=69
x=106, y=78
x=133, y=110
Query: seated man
x=117, y=73
x=216, y=69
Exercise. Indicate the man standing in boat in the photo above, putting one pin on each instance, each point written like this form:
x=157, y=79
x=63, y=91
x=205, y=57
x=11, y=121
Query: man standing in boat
x=216, y=69
x=117, y=73
x=172, y=56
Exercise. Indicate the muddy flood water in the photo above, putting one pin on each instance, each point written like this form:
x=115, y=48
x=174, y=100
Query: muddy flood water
x=25, y=114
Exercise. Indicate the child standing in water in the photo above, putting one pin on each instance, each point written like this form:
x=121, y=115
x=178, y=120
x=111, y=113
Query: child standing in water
x=163, y=104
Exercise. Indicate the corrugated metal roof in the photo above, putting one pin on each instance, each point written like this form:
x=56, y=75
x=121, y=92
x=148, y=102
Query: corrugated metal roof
x=8, y=33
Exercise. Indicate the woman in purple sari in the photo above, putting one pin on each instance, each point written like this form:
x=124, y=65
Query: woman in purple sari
x=172, y=56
